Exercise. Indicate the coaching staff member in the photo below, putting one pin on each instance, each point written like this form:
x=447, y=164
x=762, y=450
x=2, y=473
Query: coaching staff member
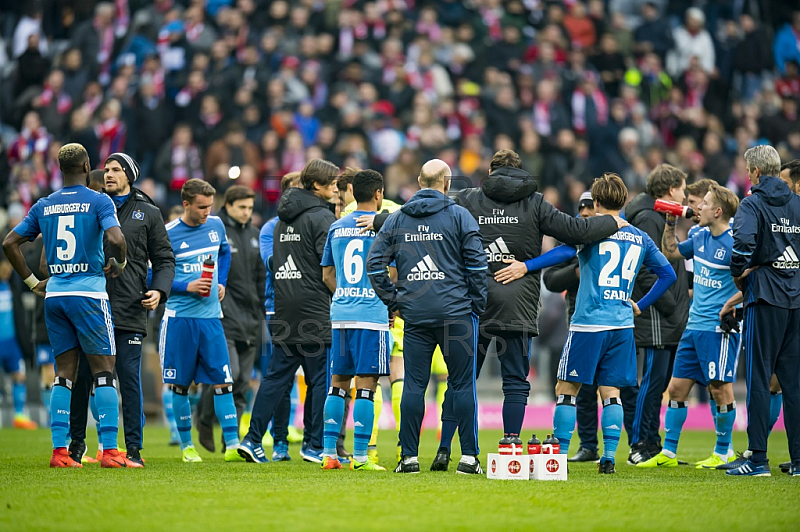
x=131, y=299
x=301, y=328
x=440, y=293
x=242, y=313
x=513, y=218
x=658, y=330
x=765, y=266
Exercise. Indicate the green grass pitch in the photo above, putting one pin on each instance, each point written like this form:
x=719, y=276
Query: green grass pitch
x=213, y=495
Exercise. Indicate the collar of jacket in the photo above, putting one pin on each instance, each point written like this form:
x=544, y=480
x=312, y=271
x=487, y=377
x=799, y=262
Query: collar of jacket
x=135, y=194
x=229, y=221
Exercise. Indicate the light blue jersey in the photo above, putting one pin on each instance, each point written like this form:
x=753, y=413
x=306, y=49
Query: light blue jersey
x=355, y=304
x=713, y=284
x=608, y=269
x=72, y=222
x=192, y=246
x=7, y=331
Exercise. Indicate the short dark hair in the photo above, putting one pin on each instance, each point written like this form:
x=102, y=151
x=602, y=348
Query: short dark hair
x=365, y=184
x=508, y=158
x=196, y=187
x=238, y=192
x=71, y=158
x=96, y=177
x=700, y=188
x=609, y=191
x=794, y=170
x=662, y=178
x=347, y=177
x=318, y=172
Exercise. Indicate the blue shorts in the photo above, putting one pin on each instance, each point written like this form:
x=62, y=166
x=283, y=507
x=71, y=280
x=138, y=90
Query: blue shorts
x=77, y=321
x=44, y=354
x=607, y=357
x=11, y=356
x=706, y=356
x=193, y=349
x=359, y=352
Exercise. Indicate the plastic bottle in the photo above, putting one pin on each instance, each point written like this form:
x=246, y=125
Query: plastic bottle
x=516, y=444
x=534, y=445
x=208, y=273
x=505, y=446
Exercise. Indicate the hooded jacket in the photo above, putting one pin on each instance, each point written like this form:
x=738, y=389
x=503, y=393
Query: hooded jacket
x=441, y=266
x=512, y=218
x=302, y=301
x=143, y=227
x=663, y=323
x=766, y=234
x=242, y=308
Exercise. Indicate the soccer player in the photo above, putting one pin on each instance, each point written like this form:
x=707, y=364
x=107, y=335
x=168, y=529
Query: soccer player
x=76, y=304
x=10, y=352
x=192, y=343
x=708, y=352
x=600, y=345
x=360, y=322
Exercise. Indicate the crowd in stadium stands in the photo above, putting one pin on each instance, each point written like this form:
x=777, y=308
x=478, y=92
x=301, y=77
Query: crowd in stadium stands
x=244, y=91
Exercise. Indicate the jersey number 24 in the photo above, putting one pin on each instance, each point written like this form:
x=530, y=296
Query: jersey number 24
x=609, y=277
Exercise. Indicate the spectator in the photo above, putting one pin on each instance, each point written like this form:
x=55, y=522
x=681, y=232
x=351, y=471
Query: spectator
x=234, y=150
x=610, y=64
x=787, y=43
x=96, y=40
x=691, y=41
x=788, y=86
x=751, y=58
x=654, y=35
x=579, y=26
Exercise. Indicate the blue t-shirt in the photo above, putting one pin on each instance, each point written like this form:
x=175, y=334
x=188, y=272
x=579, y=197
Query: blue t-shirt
x=72, y=222
x=608, y=269
x=355, y=304
x=7, y=331
x=713, y=284
x=192, y=246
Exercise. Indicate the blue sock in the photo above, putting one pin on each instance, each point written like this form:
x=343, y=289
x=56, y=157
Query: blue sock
x=20, y=393
x=775, y=403
x=513, y=415
x=183, y=417
x=294, y=399
x=611, y=421
x=332, y=414
x=673, y=425
x=726, y=415
x=226, y=414
x=107, y=401
x=194, y=398
x=59, y=411
x=169, y=412
x=448, y=431
x=47, y=391
x=93, y=406
x=363, y=417
x=564, y=421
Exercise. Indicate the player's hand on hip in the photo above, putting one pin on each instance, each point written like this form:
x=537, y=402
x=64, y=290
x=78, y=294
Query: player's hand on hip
x=515, y=270
x=365, y=222
x=199, y=286
x=221, y=292
x=40, y=288
x=113, y=268
x=151, y=299
x=621, y=222
x=635, y=307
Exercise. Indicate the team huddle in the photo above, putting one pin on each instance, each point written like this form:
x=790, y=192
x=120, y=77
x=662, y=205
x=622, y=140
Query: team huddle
x=458, y=271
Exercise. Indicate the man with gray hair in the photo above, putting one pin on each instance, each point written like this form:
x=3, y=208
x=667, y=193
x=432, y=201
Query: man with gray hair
x=440, y=292
x=765, y=267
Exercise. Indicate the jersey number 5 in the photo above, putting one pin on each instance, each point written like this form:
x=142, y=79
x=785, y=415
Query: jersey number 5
x=608, y=277
x=65, y=223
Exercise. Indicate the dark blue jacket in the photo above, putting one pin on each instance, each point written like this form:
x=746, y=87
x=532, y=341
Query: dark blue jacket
x=441, y=265
x=766, y=233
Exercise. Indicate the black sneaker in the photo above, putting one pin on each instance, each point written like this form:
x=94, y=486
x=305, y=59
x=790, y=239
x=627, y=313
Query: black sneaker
x=470, y=469
x=77, y=448
x=134, y=456
x=205, y=436
x=639, y=453
x=606, y=468
x=784, y=466
x=341, y=451
x=442, y=460
x=585, y=455
x=405, y=465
